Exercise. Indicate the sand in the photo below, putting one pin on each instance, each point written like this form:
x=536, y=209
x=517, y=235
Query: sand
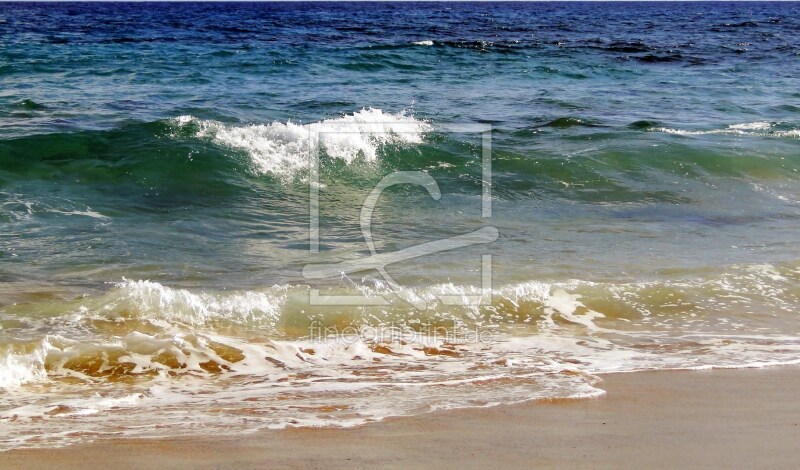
x=732, y=418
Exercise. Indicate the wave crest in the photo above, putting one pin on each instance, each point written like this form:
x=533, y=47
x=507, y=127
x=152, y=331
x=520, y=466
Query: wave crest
x=283, y=149
x=761, y=129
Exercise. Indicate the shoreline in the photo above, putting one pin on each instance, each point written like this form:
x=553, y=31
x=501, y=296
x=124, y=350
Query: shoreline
x=731, y=417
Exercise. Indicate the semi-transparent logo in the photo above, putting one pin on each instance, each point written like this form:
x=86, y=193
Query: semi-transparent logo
x=378, y=262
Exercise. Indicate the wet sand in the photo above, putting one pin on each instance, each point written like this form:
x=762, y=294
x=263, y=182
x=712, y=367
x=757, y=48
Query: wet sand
x=733, y=418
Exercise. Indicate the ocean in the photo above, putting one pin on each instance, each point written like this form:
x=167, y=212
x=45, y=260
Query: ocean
x=230, y=217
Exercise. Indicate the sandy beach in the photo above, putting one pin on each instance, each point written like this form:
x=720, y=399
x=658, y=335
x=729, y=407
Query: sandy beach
x=732, y=418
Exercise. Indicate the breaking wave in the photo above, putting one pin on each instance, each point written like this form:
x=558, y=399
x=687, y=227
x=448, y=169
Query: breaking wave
x=284, y=149
x=158, y=357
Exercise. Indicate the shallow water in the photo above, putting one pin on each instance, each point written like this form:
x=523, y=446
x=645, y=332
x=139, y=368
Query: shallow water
x=156, y=182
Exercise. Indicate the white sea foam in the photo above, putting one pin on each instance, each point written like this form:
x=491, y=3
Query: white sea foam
x=86, y=213
x=19, y=209
x=155, y=301
x=752, y=126
x=210, y=360
x=760, y=128
x=283, y=148
x=17, y=368
x=568, y=306
x=427, y=42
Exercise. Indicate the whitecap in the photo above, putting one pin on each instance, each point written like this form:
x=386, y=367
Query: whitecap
x=158, y=302
x=759, y=128
x=284, y=148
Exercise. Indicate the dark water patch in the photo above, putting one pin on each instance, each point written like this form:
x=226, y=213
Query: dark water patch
x=127, y=105
x=788, y=107
x=364, y=30
x=741, y=24
x=391, y=47
x=643, y=125
x=135, y=40
x=593, y=136
x=408, y=66
x=482, y=46
x=562, y=104
x=107, y=72
x=232, y=29
x=225, y=53
x=563, y=73
x=658, y=58
x=741, y=49
x=567, y=122
x=333, y=106
x=618, y=46
x=30, y=105
x=363, y=66
x=58, y=40
x=494, y=122
x=628, y=47
x=524, y=133
x=370, y=62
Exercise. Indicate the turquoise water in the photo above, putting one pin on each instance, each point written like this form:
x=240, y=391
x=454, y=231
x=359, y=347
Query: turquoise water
x=156, y=185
